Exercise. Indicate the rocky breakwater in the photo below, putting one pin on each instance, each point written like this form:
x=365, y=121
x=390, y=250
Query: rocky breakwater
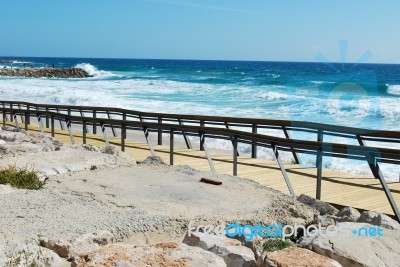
x=45, y=72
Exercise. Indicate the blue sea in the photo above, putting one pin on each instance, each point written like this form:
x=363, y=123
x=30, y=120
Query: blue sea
x=357, y=95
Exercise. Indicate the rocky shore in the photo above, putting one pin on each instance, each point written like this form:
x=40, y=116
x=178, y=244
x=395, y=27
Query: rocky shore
x=98, y=207
x=44, y=72
x=5, y=61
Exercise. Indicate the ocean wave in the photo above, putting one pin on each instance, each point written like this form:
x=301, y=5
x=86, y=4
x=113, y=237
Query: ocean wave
x=21, y=62
x=274, y=76
x=93, y=71
x=390, y=109
x=341, y=109
x=321, y=82
x=393, y=89
x=383, y=109
x=191, y=98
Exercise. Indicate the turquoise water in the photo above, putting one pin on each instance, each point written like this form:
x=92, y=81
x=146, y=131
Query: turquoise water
x=364, y=95
x=356, y=95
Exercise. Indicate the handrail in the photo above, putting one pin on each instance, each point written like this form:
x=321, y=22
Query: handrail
x=288, y=123
x=162, y=124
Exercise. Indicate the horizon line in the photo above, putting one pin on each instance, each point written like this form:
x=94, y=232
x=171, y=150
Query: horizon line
x=182, y=59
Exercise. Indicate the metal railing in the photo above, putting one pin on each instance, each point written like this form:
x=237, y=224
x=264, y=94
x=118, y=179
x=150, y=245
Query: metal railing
x=205, y=127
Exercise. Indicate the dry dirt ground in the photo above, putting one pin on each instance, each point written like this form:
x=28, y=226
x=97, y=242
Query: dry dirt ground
x=89, y=189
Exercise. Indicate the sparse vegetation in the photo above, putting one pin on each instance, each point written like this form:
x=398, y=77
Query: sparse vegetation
x=22, y=178
x=274, y=244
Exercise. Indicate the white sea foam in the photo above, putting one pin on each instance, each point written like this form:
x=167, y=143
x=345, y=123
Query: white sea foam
x=93, y=71
x=21, y=62
x=321, y=82
x=275, y=75
x=345, y=109
x=273, y=96
x=394, y=89
x=191, y=98
x=390, y=171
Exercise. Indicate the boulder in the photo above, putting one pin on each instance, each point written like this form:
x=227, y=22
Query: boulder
x=43, y=154
x=29, y=255
x=322, y=207
x=378, y=219
x=83, y=244
x=353, y=250
x=153, y=160
x=348, y=214
x=298, y=257
x=45, y=72
x=231, y=250
x=112, y=150
x=161, y=254
x=326, y=220
x=11, y=136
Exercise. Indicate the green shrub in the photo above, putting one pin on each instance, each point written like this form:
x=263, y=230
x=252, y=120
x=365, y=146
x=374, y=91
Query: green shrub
x=22, y=178
x=274, y=244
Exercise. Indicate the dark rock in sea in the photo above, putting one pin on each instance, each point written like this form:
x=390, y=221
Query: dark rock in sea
x=45, y=73
x=4, y=61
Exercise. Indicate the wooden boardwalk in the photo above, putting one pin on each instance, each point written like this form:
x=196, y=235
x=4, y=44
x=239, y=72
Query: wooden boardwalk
x=338, y=188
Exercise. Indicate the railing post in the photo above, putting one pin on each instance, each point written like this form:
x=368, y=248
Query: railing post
x=159, y=141
x=171, y=147
x=187, y=140
x=112, y=127
x=319, y=164
x=84, y=130
x=124, y=119
x=11, y=117
x=83, y=115
x=52, y=125
x=371, y=165
x=227, y=127
x=210, y=162
x=94, y=123
x=377, y=173
x=289, y=136
x=47, y=118
x=26, y=120
x=202, y=143
x=103, y=130
x=20, y=114
x=40, y=122
x=235, y=155
x=16, y=121
x=146, y=134
x=123, y=136
x=71, y=135
x=61, y=124
x=253, y=145
x=4, y=117
x=283, y=170
x=29, y=117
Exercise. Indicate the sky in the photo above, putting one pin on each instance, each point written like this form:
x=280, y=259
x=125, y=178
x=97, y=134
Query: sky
x=267, y=30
